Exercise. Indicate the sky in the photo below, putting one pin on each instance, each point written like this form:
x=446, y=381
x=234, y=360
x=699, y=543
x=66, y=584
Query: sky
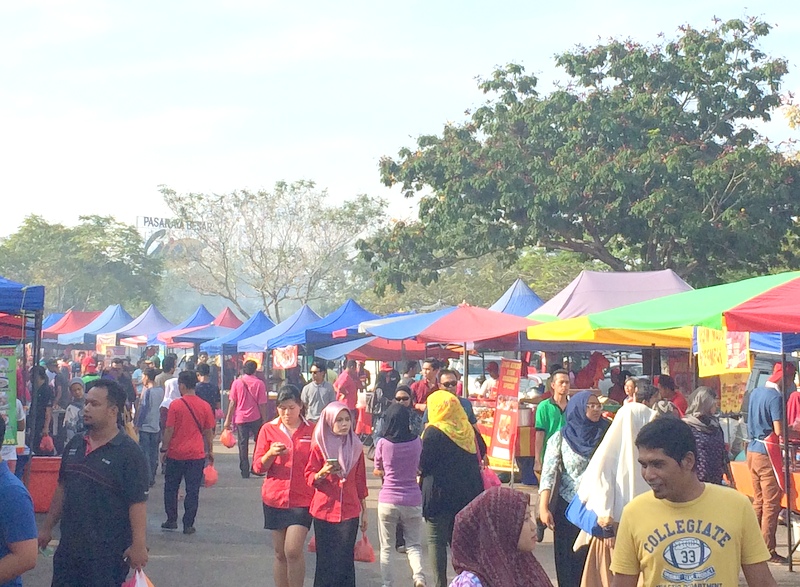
x=102, y=102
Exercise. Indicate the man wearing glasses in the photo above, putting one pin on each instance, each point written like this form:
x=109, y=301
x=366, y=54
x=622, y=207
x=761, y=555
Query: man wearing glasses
x=448, y=381
x=317, y=394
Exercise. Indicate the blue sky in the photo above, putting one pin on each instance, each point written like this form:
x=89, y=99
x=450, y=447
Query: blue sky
x=100, y=102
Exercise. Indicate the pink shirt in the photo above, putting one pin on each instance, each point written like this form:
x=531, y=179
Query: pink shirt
x=248, y=392
x=347, y=388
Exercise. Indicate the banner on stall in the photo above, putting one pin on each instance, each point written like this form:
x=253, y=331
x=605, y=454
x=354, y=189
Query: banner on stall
x=721, y=351
x=8, y=392
x=257, y=358
x=732, y=388
x=506, y=414
x=284, y=357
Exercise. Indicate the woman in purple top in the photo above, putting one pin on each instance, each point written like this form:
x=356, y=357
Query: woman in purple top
x=400, y=499
x=711, y=461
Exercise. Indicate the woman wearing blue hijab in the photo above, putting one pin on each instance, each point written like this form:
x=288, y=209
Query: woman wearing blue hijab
x=565, y=460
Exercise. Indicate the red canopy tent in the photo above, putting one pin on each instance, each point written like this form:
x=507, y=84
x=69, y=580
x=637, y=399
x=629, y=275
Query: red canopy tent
x=70, y=322
x=226, y=319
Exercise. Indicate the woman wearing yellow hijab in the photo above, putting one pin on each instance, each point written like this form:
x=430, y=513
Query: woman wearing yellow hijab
x=450, y=473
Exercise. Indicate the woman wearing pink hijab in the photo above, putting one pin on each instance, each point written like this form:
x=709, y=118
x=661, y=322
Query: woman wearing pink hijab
x=337, y=473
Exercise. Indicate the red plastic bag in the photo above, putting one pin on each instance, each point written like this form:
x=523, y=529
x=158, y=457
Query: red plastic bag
x=363, y=552
x=227, y=439
x=46, y=445
x=210, y=476
x=312, y=544
x=139, y=579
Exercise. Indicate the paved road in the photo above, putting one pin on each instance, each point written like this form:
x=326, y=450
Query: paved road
x=231, y=548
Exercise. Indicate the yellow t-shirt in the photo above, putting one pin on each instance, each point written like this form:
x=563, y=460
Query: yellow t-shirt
x=700, y=543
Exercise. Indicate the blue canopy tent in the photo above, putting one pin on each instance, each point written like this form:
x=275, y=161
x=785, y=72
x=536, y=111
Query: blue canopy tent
x=112, y=318
x=226, y=344
x=295, y=323
x=200, y=317
x=18, y=299
x=321, y=332
x=51, y=319
x=148, y=323
x=519, y=300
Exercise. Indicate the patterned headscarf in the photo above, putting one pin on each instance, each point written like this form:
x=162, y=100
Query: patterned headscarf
x=347, y=449
x=579, y=431
x=446, y=414
x=485, y=536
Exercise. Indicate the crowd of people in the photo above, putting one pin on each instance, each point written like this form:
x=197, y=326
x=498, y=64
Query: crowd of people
x=642, y=495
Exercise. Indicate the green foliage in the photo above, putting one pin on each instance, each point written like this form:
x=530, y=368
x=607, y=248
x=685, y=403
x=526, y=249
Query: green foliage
x=282, y=247
x=87, y=267
x=646, y=158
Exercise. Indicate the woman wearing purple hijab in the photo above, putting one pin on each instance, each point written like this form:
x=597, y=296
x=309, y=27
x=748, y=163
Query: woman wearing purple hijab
x=337, y=473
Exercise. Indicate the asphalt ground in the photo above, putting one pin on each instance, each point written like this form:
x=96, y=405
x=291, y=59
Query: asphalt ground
x=231, y=548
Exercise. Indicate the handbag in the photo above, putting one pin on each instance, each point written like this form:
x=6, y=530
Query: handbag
x=489, y=477
x=585, y=519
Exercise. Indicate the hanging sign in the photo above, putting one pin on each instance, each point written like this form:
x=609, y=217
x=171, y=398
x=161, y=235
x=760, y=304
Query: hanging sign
x=720, y=351
x=8, y=392
x=732, y=387
x=285, y=357
x=506, y=414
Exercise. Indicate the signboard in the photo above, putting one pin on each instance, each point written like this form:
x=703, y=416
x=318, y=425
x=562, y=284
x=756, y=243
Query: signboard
x=285, y=357
x=732, y=388
x=164, y=235
x=506, y=413
x=720, y=351
x=8, y=392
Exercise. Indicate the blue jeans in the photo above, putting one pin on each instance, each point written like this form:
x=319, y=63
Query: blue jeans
x=149, y=441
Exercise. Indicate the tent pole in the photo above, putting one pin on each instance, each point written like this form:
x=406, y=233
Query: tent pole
x=787, y=473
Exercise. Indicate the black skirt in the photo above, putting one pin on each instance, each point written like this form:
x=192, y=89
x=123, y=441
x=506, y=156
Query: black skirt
x=282, y=518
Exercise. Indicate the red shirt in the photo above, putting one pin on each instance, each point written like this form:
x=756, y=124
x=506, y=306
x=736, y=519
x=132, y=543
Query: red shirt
x=187, y=439
x=347, y=387
x=285, y=484
x=422, y=389
x=679, y=401
x=336, y=500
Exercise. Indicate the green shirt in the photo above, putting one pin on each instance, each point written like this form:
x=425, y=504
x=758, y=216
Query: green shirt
x=549, y=419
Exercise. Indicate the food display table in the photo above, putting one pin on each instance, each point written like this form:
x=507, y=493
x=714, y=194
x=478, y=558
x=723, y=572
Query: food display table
x=744, y=484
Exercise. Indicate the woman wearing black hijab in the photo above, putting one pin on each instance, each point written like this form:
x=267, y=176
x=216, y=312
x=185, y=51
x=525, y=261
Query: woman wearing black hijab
x=400, y=499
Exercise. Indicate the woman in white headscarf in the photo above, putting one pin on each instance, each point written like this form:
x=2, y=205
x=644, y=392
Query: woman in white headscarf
x=611, y=480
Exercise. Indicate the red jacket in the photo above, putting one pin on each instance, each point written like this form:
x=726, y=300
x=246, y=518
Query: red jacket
x=336, y=500
x=285, y=484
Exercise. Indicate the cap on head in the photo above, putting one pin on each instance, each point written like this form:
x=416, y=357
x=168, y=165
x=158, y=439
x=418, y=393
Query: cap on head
x=777, y=372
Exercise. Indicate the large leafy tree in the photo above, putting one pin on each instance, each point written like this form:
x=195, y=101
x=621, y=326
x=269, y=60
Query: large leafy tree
x=646, y=157
x=279, y=247
x=86, y=267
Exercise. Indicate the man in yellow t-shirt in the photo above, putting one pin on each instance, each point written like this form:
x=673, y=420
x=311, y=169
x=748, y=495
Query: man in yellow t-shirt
x=685, y=532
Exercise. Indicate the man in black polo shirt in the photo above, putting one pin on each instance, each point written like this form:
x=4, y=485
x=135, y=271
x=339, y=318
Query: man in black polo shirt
x=100, y=499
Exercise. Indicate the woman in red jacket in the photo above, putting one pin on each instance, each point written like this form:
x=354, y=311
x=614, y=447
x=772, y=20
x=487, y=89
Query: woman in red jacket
x=282, y=450
x=336, y=471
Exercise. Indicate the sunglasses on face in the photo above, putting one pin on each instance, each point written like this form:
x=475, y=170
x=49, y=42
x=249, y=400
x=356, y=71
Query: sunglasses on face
x=402, y=398
x=449, y=383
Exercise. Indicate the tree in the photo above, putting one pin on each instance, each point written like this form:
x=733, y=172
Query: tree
x=645, y=158
x=280, y=246
x=87, y=267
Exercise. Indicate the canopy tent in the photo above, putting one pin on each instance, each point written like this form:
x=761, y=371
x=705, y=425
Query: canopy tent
x=256, y=324
x=296, y=323
x=322, y=331
x=110, y=319
x=147, y=324
x=16, y=298
x=773, y=310
x=12, y=330
x=457, y=325
x=519, y=300
x=380, y=349
x=70, y=322
x=223, y=323
x=594, y=291
x=51, y=319
x=199, y=318
x=672, y=315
